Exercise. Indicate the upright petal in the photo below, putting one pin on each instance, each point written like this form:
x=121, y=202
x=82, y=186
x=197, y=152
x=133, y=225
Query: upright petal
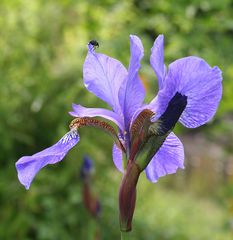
x=28, y=166
x=132, y=92
x=157, y=59
x=103, y=77
x=80, y=111
x=167, y=160
x=194, y=78
x=117, y=157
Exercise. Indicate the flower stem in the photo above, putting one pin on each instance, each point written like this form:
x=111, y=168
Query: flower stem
x=124, y=235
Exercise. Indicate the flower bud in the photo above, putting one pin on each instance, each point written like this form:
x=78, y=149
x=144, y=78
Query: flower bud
x=90, y=200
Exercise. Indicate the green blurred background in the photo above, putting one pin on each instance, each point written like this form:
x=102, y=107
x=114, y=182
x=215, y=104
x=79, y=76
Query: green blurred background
x=42, y=50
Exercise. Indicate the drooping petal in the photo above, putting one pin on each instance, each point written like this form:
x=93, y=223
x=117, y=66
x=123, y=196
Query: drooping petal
x=80, y=111
x=103, y=76
x=117, y=158
x=132, y=92
x=28, y=166
x=167, y=160
x=157, y=59
x=194, y=78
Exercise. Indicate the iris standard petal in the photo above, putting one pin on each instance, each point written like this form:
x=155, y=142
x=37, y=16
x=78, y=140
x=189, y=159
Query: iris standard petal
x=132, y=92
x=80, y=111
x=157, y=59
x=28, y=166
x=194, y=78
x=167, y=160
x=117, y=158
x=103, y=76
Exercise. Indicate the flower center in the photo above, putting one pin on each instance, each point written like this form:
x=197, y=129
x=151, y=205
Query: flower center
x=147, y=137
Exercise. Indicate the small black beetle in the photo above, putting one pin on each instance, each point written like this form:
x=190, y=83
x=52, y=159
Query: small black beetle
x=94, y=43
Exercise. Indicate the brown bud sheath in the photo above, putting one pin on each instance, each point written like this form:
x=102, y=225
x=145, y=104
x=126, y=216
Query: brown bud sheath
x=90, y=201
x=127, y=196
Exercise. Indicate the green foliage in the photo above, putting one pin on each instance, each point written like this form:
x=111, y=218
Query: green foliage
x=42, y=50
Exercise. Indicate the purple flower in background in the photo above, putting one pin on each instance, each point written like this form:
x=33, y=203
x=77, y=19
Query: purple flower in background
x=189, y=92
x=89, y=196
x=87, y=167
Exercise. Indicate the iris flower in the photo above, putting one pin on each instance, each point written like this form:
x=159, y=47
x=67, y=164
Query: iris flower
x=189, y=92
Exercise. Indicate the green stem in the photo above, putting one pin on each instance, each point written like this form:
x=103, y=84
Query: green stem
x=124, y=235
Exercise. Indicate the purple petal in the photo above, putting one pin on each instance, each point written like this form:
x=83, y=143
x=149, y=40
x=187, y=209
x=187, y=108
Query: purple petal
x=117, y=158
x=157, y=59
x=167, y=160
x=28, y=166
x=80, y=111
x=132, y=92
x=103, y=77
x=194, y=78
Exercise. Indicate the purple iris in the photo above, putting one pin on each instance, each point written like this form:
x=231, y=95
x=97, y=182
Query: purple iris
x=189, y=92
x=192, y=77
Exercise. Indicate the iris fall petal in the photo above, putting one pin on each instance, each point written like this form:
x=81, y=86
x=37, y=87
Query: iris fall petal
x=194, y=78
x=167, y=160
x=28, y=166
